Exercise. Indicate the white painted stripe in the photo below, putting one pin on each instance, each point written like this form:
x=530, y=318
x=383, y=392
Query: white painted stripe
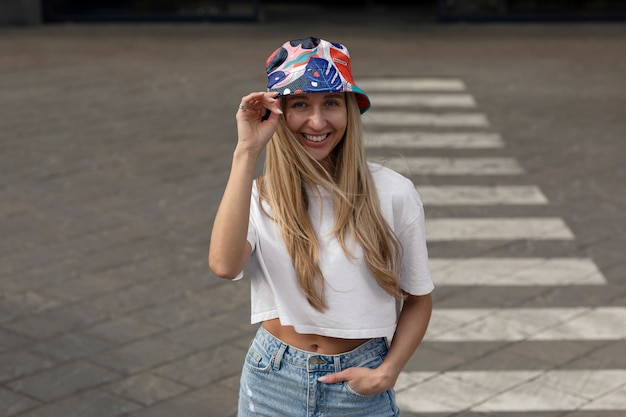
x=433, y=140
x=422, y=100
x=391, y=118
x=602, y=323
x=474, y=195
x=512, y=391
x=515, y=271
x=516, y=324
x=452, y=166
x=614, y=400
x=369, y=85
x=439, y=229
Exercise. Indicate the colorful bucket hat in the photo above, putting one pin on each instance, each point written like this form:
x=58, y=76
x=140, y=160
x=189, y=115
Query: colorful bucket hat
x=312, y=65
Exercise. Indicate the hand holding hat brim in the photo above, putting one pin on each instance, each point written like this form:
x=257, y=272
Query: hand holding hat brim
x=253, y=129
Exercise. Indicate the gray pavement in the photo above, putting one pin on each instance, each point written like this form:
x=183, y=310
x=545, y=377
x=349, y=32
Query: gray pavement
x=115, y=144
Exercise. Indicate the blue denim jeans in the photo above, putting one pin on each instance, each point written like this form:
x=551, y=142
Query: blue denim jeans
x=279, y=380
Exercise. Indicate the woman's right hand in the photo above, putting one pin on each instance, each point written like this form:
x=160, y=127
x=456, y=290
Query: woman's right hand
x=229, y=249
x=253, y=132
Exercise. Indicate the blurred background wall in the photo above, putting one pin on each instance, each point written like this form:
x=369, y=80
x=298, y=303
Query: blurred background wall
x=56, y=11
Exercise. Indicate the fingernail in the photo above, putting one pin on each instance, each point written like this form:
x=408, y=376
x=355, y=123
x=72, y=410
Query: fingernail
x=322, y=379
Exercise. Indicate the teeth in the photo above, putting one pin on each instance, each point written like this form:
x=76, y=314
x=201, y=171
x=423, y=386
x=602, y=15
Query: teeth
x=316, y=138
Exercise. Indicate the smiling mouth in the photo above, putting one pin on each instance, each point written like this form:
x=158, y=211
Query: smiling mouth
x=315, y=138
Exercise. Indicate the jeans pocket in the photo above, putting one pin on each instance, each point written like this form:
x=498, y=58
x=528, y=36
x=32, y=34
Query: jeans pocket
x=371, y=363
x=258, y=360
x=351, y=390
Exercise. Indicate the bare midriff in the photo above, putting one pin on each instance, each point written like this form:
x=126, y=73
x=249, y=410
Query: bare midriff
x=323, y=345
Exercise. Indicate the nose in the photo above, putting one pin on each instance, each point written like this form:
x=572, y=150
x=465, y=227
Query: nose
x=317, y=120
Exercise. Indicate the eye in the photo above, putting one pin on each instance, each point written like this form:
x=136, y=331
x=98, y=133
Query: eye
x=298, y=104
x=333, y=102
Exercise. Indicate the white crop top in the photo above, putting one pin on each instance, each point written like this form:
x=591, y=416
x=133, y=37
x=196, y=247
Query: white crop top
x=357, y=306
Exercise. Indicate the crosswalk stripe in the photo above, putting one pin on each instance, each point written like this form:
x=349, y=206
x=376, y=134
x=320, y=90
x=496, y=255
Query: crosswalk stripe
x=515, y=271
x=433, y=140
x=371, y=85
x=475, y=195
x=517, y=324
x=422, y=100
x=454, y=140
x=392, y=118
x=440, y=229
x=512, y=391
x=452, y=166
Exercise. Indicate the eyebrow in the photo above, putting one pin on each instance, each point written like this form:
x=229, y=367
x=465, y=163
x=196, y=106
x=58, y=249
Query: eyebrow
x=305, y=97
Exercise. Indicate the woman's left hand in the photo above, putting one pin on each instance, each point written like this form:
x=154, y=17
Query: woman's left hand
x=364, y=381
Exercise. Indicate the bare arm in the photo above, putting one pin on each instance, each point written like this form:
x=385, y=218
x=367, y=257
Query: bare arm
x=410, y=331
x=229, y=249
x=412, y=326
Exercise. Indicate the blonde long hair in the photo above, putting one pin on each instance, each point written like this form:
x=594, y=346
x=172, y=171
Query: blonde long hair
x=289, y=169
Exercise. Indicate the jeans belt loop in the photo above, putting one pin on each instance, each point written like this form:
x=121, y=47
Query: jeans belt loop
x=337, y=363
x=279, y=356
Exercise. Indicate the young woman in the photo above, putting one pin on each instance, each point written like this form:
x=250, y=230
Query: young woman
x=334, y=245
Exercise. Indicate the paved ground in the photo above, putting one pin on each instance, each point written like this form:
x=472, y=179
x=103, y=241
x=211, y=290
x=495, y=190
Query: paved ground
x=115, y=146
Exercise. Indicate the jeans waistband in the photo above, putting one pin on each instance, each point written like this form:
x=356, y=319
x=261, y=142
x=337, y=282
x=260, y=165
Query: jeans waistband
x=312, y=361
